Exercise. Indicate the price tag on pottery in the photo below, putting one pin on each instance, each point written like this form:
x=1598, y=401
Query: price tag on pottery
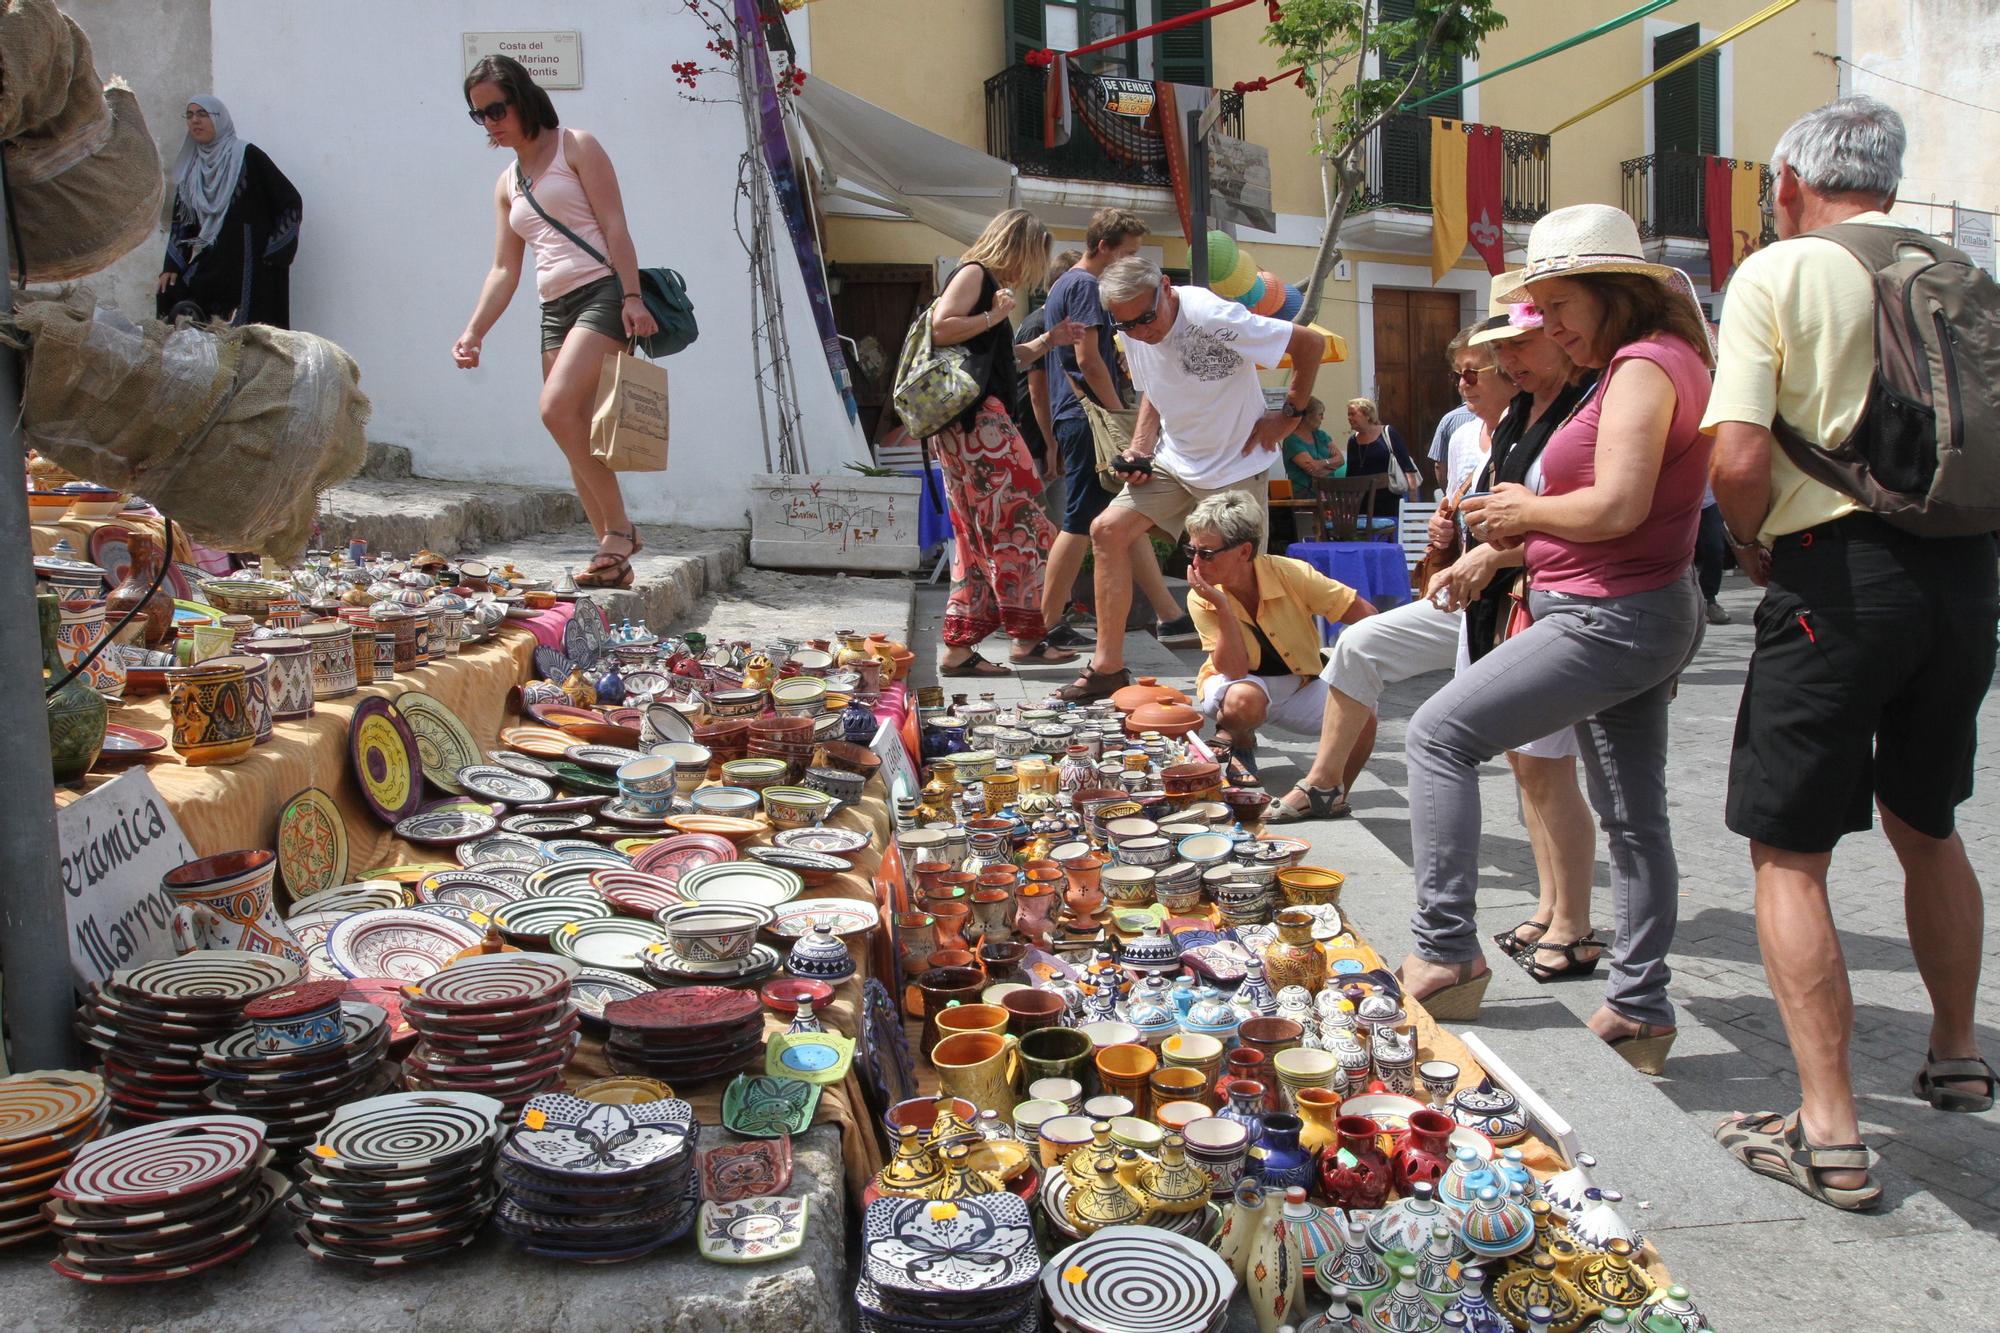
x=117, y=843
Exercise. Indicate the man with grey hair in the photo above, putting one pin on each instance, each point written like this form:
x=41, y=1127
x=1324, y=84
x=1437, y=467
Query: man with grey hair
x=1874, y=649
x=1202, y=428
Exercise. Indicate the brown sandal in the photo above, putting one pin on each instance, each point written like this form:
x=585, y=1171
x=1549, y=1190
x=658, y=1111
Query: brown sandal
x=1775, y=1145
x=1094, y=684
x=606, y=571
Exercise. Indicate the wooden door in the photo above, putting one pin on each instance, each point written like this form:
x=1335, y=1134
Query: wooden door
x=1413, y=386
x=874, y=306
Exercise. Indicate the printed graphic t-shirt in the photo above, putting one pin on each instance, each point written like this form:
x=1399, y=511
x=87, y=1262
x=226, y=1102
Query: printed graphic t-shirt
x=1202, y=379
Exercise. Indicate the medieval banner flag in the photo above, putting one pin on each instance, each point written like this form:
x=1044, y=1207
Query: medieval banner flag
x=1447, y=194
x=1482, y=195
x=1733, y=208
x=1168, y=108
x=1057, y=114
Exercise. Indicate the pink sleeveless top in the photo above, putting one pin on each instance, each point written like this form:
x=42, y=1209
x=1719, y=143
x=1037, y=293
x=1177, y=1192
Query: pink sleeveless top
x=1660, y=549
x=560, y=266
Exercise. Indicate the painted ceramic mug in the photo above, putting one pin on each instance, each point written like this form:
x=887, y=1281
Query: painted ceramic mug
x=981, y=1067
x=1057, y=1053
x=224, y=902
x=210, y=706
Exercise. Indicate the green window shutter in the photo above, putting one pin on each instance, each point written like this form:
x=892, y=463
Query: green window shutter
x=1450, y=108
x=1182, y=55
x=1686, y=104
x=1026, y=29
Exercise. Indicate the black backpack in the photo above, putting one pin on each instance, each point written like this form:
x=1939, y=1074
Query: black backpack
x=1925, y=455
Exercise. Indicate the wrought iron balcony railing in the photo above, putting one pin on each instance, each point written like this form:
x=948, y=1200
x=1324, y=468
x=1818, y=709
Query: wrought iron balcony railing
x=1107, y=142
x=1667, y=195
x=1397, y=162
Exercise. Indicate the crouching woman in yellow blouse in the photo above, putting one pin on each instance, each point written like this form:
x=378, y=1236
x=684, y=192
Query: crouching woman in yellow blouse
x=1264, y=658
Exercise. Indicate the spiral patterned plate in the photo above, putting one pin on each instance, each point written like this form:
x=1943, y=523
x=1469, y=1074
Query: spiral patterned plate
x=408, y=1131
x=42, y=1106
x=208, y=978
x=444, y=746
x=167, y=1161
x=1138, y=1277
x=540, y=917
x=634, y=892
x=568, y=877
x=384, y=751
x=397, y=942
x=538, y=742
x=497, y=980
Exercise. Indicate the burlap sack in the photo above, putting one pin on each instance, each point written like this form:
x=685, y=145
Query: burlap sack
x=38, y=56
x=233, y=432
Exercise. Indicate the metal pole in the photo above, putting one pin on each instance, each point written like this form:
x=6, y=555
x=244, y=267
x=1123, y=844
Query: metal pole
x=1197, y=151
x=34, y=928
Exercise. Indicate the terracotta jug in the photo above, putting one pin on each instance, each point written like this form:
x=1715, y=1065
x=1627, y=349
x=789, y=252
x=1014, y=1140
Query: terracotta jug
x=981, y=1067
x=156, y=621
x=939, y=987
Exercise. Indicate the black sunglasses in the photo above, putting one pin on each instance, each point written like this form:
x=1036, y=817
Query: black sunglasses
x=1207, y=552
x=490, y=114
x=1152, y=313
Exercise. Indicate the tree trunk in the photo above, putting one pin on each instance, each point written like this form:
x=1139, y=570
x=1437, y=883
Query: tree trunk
x=1329, y=241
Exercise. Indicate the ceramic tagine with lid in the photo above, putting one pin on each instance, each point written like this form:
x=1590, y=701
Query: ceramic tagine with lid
x=1493, y=1111
x=821, y=955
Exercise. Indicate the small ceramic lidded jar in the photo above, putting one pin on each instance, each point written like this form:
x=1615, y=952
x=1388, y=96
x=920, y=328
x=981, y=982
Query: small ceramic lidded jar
x=821, y=955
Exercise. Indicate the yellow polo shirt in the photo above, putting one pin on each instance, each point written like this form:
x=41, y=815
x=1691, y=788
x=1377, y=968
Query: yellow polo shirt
x=1289, y=594
x=1798, y=341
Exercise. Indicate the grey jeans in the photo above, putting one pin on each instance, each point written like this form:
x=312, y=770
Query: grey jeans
x=1608, y=667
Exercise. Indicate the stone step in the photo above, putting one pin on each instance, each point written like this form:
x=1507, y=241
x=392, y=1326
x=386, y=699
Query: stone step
x=404, y=515
x=764, y=604
x=387, y=462
x=678, y=568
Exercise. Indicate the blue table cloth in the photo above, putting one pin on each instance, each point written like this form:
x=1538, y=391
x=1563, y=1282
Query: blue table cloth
x=1376, y=570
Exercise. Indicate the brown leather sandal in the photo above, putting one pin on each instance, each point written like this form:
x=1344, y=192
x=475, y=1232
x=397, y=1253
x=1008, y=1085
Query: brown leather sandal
x=606, y=571
x=1095, y=684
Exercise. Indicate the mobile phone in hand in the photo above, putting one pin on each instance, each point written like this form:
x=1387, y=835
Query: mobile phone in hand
x=1144, y=465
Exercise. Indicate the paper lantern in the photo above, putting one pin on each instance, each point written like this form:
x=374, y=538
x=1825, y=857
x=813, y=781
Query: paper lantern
x=1270, y=297
x=1295, y=301
x=1255, y=294
x=1237, y=281
x=1221, y=252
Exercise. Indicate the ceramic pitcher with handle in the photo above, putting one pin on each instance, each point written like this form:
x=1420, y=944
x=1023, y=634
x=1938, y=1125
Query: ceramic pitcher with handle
x=981, y=1067
x=224, y=902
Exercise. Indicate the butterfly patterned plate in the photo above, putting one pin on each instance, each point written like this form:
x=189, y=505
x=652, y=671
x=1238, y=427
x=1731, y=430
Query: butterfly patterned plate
x=826, y=841
x=544, y=825
x=842, y=916
x=761, y=1107
x=312, y=844
x=444, y=828
x=384, y=753
x=495, y=783
x=515, y=848
x=596, y=987
x=468, y=888
x=444, y=746
x=567, y=1136
x=985, y=1244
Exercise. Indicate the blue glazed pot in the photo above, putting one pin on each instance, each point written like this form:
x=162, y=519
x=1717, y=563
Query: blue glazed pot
x=1276, y=1156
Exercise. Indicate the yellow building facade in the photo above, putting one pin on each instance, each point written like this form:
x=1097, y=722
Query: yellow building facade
x=952, y=66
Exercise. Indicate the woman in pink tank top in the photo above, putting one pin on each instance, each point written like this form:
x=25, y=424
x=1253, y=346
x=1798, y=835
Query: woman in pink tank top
x=589, y=307
x=1610, y=538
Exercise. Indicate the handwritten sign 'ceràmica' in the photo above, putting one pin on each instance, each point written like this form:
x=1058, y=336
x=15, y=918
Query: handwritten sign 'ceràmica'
x=554, y=58
x=116, y=844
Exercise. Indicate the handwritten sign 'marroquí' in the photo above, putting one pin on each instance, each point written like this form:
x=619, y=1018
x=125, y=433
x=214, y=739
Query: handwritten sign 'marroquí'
x=117, y=843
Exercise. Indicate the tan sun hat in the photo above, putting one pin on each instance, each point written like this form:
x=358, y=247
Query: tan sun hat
x=1583, y=238
x=1522, y=317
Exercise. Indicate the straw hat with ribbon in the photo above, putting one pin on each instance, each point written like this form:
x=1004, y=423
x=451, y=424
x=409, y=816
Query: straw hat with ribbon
x=1583, y=238
x=1522, y=318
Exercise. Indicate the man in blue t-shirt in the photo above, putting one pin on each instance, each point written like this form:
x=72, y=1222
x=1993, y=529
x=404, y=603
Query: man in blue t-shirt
x=1113, y=234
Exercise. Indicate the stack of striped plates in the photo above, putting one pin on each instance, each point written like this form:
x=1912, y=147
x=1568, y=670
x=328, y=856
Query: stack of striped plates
x=44, y=1119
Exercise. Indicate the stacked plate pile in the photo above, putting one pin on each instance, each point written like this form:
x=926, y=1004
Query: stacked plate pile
x=152, y=1022
x=969, y=1263
x=163, y=1201
x=399, y=1179
x=695, y=1034
x=599, y=1183
x=295, y=1090
x=1138, y=1277
x=499, y=1024
x=44, y=1119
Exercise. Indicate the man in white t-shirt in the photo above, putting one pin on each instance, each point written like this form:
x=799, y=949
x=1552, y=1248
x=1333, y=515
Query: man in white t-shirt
x=1202, y=427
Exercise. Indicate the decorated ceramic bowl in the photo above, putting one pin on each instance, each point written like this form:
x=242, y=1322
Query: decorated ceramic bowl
x=737, y=802
x=713, y=932
x=735, y=703
x=1151, y=852
x=1128, y=885
x=843, y=786
x=796, y=807
x=755, y=773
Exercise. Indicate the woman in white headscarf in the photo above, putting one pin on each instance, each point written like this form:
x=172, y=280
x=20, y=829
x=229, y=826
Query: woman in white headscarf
x=232, y=227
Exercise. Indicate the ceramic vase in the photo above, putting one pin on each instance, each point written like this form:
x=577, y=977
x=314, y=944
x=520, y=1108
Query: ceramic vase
x=1242, y=1222
x=224, y=902
x=288, y=684
x=1295, y=960
x=1318, y=1109
x=1365, y=1182
x=83, y=628
x=1277, y=1157
x=1274, y=1280
x=77, y=714
x=1471, y=1304
x=156, y=619
x=1246, y=1107
x=1422, y=1150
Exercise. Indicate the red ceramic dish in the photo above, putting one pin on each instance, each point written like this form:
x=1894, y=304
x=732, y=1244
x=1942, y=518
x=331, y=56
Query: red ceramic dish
x=781, y=995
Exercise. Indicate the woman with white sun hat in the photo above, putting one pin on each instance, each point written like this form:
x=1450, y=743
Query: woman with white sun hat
x=1615, y=617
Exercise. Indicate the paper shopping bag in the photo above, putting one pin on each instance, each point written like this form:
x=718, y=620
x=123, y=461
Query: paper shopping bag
x=628, y=428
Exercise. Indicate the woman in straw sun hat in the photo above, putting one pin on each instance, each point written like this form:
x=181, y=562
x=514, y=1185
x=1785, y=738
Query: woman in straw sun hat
x=1609, y=541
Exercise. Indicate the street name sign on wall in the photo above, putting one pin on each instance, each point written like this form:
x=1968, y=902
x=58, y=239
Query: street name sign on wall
x=116, y=844
x=554, y=58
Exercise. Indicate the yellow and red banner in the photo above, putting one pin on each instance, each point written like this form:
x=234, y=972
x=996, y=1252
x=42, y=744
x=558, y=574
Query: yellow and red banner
x=1465, y=195
x=1733, y=203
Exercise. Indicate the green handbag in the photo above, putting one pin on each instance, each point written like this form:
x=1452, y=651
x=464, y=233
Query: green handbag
x=662, y=289
x=934, y=385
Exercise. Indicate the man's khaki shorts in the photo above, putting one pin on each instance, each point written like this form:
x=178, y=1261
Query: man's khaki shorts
x=1167, y=500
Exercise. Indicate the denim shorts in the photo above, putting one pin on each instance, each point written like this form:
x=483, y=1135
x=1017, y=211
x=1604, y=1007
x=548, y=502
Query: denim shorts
x=595, y=306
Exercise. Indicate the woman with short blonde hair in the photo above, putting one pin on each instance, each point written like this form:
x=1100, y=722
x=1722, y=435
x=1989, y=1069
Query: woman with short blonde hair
x=1376, y=448
x=1000, y=536
x=1366, y=407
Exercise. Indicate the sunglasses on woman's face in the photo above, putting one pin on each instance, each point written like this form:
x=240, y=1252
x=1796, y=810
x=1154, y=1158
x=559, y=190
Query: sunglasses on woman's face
x=490, y=114
x=1207, y=552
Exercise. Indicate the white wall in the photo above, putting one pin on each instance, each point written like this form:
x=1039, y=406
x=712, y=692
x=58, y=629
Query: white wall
x=1952, y=48
x=360, y=104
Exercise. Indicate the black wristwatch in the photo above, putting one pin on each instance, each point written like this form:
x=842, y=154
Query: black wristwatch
x=1291, y=411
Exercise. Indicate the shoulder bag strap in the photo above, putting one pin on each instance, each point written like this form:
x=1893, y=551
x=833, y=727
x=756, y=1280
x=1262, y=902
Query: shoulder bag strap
x=521, y=183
